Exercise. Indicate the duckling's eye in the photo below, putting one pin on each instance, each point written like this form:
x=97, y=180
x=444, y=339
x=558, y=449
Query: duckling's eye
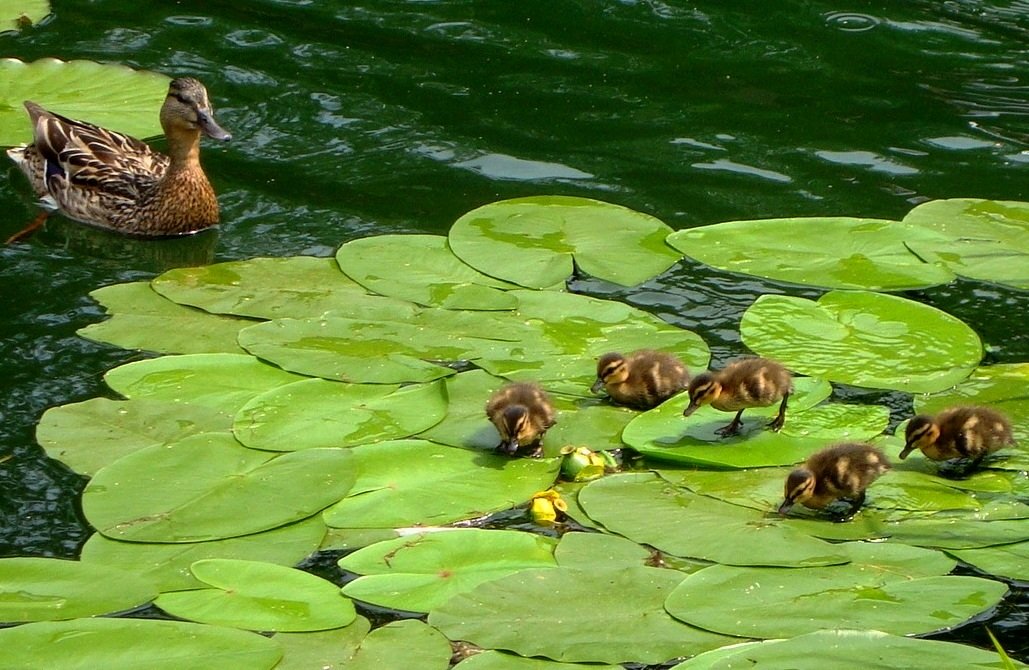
x=608, y=371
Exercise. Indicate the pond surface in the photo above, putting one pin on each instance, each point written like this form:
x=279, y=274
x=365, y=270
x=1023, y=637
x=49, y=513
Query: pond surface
x=352, y=119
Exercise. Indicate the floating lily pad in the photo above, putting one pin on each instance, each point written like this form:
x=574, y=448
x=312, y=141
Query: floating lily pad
x=130, y=644
x=419, y=646
x=273, y=288
x=1003, y=387
x=419, y=572
x=542, y=239
x=20, y=14
x=498, y=660
x=958, y=532
x=168, y=564
x=599, y=550
x=891, y=587
x=324, y=650
x=141, y=319
x=566, y=607
x=832, y=252
x=1010, y=561
x=865, y=339
x=78, y=89
x=209, y=487
x=422, y=269
x=980, y=239
x=223, y=381
x=650, y=511
x=845, y=650
x=88, y=435
x=259, y=596
x=408, y=482
x=319, y=413
x=48, y=589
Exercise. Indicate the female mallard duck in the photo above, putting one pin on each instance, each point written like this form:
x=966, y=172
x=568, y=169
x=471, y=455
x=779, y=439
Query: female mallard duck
x=838, y=471
x=643, y=379
x=522, y=413
x=114, y=181
x=958, y=432
x=750, y=382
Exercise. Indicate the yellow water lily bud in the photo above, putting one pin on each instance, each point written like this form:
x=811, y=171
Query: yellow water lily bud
x=546, y=506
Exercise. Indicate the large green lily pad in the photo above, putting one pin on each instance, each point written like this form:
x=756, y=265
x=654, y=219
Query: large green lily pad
x=419, y=646
x=648, y=510
x=78, y=89
x=259, y=596
x=88, y=435
x=890, y=587
x=498, y=660
x=319, y=413
x=408, y=482
x=209, y=487
x=1010, y=561
x=542, y=239
x=833, y=252
x=980, y=239
x=422, y=269
x=846, y=650
x=48, y=589
x=323, y=649
x=168, y=564
x=273, y=288
x=557, y=613
x=599, y=550
x=130, y=644
x=419, y=572
x=222, y=381
x=865, y=339
x=141, y=319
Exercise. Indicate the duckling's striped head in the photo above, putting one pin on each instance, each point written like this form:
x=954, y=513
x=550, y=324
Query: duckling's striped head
x=921, y=432
x=800, y=484
x=515, y=428
x=611, y=369
x=704, y=389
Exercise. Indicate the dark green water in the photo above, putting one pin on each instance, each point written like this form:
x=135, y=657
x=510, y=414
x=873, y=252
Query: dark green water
x=351, y=119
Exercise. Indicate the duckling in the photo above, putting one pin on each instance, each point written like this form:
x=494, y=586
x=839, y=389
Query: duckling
x=958, y=432
x=838, y=471
x=106, y=179
x=522, y=413
x=643, y=379
x=749, y=382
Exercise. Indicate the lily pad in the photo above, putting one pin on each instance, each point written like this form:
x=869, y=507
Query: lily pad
x=89, y=435
x=222, y=381
x=422, y=269
x=650, y=511
x=324, y=649
x=543, y=239
x=957, y=532
x=886, y=586
x=318, y=413
x=498, y=660
x=408, y=482
x=419, y=572
x=168, y=564
x=846, y=650
x=78, y=89
x=273, y=288
x=980, y=239
x=259, y=596
x=566, y=608
x=48, y=589
x=130, y=644
x=209, y=487
x=599, y=550
x=831, y=252
x=1010, y=561
x=864, y=339
x=141, y=319
x=419, y=645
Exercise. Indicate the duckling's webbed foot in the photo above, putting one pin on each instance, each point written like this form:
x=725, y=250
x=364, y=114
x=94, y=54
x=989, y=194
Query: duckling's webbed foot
x=780, y=418
x=733, y=428
x=855, y=504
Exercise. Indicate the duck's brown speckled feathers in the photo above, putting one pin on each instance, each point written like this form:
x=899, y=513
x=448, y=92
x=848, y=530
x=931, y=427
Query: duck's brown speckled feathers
x=749, y=382
x=643, y=379
x=838, y=471
x=958, y=432
x=522, y=413
x=114, y=181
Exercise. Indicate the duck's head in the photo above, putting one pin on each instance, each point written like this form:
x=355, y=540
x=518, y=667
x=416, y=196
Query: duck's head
x=703, y=390
x=516, y=430
x=921, y=432
x=611, y=369
x=187, y=109
x=800, y=484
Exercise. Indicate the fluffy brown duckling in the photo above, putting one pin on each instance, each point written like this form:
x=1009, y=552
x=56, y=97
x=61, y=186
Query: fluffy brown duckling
x=958, y=432
x=838, y=471
x=749, y=382
x=522, y=413
x=643, y=379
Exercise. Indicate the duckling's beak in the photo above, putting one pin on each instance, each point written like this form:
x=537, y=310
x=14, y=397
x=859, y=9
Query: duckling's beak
x=597, y=385
x=908, y=448
x=690, y=409
x=510, y=447
x=785, y=507
x=209, y=127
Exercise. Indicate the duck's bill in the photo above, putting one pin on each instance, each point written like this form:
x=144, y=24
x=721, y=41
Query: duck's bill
x=906, y=450
x=597, y=386
x=690, y=409
x=785, y=508
x=211, y=128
